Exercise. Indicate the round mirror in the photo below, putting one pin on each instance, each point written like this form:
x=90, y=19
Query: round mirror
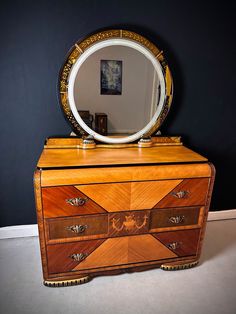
x=116, y=87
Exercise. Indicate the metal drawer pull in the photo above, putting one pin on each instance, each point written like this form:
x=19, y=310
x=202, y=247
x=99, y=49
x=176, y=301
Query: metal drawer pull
x=77, y=201
x=77, y=228
x=176, y=219
x=79, y=256
x=174, y=245
x=181, y=194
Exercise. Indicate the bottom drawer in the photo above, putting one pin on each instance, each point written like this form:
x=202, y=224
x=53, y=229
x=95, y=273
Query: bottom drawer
x=183, y=243
x=96, y=254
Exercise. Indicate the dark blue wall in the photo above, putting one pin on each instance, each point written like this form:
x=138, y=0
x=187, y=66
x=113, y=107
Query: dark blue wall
x=199, y=43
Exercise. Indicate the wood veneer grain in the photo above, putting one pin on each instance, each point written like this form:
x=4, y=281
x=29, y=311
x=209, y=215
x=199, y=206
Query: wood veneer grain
x=196, y=190
x=123, y=174
x=186, y=241
x=55, y=204
x=56, y=158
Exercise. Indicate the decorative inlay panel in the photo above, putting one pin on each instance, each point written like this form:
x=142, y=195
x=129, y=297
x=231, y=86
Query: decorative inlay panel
x=127, y=223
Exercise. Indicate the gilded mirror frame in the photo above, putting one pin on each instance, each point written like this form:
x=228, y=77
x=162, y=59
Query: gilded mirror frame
x=68, y=72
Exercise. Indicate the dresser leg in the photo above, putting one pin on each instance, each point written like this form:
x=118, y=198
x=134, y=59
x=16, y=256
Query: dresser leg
x=66, y=283
x=179, y=265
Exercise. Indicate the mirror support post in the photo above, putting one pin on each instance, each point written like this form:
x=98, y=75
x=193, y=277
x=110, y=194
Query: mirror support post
x=145, y=142
x=88, y=142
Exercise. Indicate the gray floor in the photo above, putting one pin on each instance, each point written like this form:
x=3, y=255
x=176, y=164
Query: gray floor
x=208, y=288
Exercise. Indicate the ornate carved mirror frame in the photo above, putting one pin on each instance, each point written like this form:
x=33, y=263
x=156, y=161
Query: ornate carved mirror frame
x=86, y=47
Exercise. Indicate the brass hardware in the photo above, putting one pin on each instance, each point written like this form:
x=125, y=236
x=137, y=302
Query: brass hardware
x=176, y=219
x=77, y=201
x=77, y=228
x=181, y=194
x=79, y=256
x=174, y=245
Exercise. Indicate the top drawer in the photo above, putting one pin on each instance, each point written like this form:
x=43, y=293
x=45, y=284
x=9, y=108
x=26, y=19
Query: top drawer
x=190, y=192
x=115, y=197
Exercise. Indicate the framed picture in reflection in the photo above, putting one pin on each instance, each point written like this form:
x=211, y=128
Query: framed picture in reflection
x=111, y=77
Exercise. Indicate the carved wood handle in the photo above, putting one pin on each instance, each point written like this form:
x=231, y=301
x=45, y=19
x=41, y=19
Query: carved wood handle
x=77, y=201
x=77, y=228
x=181, y=194
x=78, y=257
x=176, y=219
x=174, y=245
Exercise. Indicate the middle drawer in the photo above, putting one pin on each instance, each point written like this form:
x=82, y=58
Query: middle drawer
x=73, y=227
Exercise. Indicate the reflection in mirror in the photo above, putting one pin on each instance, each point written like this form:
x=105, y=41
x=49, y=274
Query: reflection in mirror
x=132, y=107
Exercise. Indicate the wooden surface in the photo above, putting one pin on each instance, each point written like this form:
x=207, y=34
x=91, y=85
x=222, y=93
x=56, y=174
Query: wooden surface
x=130, y=197
x=55, y=205
x=56, y=158
x=125, y=250
x=187, y=240
x=123, y=174
x=59, y=255
x=196, y=193
x=160, y=218
x=95, y=225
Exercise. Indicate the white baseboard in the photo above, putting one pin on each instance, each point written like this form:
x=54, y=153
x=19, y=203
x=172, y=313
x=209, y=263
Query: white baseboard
x=19, y=231
x=222, y=215
x=32, y=230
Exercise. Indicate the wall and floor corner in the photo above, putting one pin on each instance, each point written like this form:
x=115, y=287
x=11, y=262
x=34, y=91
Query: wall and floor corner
x=198, y=44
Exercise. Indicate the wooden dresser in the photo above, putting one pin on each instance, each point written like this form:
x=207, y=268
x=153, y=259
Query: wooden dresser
x=106, y=211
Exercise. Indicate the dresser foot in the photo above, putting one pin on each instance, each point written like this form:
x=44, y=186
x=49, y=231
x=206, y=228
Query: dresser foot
x=66, y=283
x=179, y=266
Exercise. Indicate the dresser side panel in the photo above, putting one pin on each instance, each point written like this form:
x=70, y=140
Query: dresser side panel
x=40, y=220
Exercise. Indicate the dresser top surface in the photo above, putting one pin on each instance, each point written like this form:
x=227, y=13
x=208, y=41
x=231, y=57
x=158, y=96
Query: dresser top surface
x=74, y=157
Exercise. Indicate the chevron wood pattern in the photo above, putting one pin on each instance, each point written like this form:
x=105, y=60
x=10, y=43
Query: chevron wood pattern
x=186, y=241
x=116, y=197
x=196, y=194
x=59, y=255
x=125, y=250
x=55, y=205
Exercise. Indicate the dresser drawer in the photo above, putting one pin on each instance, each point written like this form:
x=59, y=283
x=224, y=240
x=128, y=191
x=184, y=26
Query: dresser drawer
x=64, y=201
x=65, y=257
x=190, y=192
x=115, y=197
x=182, y=243
x=102, y=253
x=175, y=217
x=77, y=227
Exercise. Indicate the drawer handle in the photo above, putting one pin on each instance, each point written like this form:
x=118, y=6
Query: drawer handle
x=77, y=201
x=176, y=219
x=77, y=228
x=79, y=256
x=181, y=194
x=174, y=245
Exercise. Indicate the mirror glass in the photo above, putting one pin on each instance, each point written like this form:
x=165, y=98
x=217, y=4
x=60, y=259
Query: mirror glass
x=116, y=87
x=133, y=83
